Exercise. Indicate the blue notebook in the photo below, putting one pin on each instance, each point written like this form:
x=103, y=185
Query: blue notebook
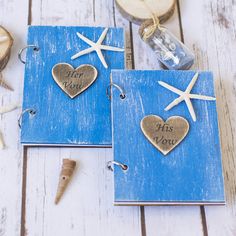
x=189, y=174
x=60, y=120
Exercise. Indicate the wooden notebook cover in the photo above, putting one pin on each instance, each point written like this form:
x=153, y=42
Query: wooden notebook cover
x=191, y=174
x=60, y=120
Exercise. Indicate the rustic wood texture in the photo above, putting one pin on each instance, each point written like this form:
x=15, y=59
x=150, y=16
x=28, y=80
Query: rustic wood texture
x=84, y=120
x=138, y=11
x=206, y=26
x=192, y=172
x=91, y=196
x=11, y=157
x=215, y=48
x=156, y=218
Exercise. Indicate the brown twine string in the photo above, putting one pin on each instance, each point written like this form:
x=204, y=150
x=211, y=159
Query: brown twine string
x=150, y=30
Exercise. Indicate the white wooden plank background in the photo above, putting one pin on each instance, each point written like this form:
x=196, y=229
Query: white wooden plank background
x=208, y=27
x=11, y=157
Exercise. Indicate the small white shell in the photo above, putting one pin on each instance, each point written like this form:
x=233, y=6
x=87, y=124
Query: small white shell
x=2, y=144
x=167, y=39
x=9, y=108
x=172, y=47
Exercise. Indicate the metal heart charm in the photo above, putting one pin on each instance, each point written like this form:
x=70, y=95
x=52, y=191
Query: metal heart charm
x=74, y=81
x=165, y=136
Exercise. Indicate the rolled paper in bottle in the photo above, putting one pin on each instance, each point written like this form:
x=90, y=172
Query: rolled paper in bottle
x=170, y=51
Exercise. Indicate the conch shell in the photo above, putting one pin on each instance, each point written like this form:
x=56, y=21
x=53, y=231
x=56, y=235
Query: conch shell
x=67, y=170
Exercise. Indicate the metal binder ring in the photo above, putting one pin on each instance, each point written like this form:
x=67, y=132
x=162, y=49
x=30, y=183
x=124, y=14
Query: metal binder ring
x=122, y=93
x=35, y=48
x=32, y=112
x=112, y=163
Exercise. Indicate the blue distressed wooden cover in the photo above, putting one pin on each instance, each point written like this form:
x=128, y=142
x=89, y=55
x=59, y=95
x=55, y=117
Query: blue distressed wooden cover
x=59, y=120
x=192, y=172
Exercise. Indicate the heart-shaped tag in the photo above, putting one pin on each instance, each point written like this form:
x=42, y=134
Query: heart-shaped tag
x=165, y=136
x=74, y=81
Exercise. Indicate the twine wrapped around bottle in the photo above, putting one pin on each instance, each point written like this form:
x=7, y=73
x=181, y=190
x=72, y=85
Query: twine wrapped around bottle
x=170, y=51
x=150, y=26
x=67, y=170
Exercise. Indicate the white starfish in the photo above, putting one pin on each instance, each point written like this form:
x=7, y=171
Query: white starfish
x=4, y=84
x=186, y=96
x=9, y=108
x=3, y=39
x=97, y=47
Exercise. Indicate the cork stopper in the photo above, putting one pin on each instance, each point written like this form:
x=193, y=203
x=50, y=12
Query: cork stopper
x=67, y=170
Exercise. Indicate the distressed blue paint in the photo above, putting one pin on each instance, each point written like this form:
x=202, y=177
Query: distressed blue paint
x=192, y=172
x=85, y=120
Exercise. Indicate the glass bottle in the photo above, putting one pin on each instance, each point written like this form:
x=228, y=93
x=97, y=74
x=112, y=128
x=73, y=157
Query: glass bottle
x=170, y=51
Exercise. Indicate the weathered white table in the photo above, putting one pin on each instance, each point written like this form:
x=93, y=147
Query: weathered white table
x=28, y=177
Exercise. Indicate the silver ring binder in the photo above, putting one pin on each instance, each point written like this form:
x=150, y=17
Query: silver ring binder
x=112, y=163
x=35, y=48
x=122, y=93
x=32, y=112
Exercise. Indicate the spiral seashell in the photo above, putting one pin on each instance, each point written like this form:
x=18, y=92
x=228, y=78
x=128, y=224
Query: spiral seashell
x=67, y=170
